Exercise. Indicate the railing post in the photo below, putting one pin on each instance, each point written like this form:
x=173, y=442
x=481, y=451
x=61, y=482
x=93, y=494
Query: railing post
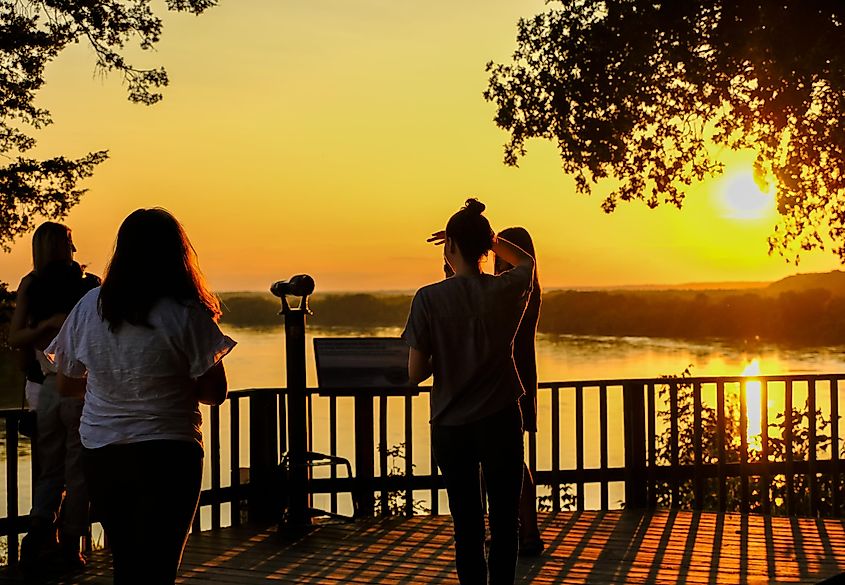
x=636, y=494
x=364, y=453
x=263, y=503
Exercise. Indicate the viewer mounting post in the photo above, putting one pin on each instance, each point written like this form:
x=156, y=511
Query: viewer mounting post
x=301, y=286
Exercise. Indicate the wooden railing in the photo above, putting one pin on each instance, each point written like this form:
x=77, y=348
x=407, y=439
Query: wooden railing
x=679, y=442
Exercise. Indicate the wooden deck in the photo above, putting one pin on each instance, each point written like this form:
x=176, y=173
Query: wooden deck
x=585, y=547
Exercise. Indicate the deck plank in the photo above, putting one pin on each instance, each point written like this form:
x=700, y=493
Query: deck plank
x=583, y=547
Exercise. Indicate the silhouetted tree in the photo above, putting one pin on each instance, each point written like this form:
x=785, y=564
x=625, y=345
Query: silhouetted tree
x=33, y=33
x=645, y=93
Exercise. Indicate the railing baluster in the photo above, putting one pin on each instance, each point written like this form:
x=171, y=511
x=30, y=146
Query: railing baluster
x=765, y=476
x=333, y=449
x=720, y=441
x=788, y=420
x=382, y=448
x=12, y=488
x=409, y=456
x=435, y=491
x=235, y=458
x=603, y=445
x=555, y=449
x=811, y=428
x=697, y=447
x=743, y=448
x=673, y=443
x=834, y=445
x=579, y=446
x=652, y=447
x=215, y=465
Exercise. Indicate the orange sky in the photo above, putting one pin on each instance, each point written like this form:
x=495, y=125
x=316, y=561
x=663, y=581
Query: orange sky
x=331, y=137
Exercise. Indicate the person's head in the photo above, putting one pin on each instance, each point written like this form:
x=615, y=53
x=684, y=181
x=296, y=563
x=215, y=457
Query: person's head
x=51, y=243
x=468, y=233
x=153, y=259
x=520, y=237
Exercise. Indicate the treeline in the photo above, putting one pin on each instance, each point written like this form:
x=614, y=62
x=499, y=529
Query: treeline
x=357, y=310
x=809, y=317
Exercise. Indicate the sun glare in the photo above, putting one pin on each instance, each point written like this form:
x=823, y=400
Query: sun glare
x=753, y=396
x=743, y=198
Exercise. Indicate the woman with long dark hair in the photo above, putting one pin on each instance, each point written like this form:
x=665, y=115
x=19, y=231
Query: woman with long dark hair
x=530, y=543
x=60, y=499
x=144, y=350
x=462, y=331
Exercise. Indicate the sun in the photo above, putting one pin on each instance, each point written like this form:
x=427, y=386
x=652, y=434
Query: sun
x=742, y=198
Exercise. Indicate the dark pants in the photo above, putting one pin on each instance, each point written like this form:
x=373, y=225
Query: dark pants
x=145, y=494
x=492, y=445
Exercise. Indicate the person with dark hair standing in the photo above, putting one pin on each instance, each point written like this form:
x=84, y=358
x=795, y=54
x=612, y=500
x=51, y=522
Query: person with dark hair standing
x=144, y=350
x=462, y=331
x=530, y=543
x=60, y=499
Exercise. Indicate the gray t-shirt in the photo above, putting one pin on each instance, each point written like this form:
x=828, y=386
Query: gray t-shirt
x=467, y=324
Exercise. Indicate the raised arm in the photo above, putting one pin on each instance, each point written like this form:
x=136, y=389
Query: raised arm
x=511, y=253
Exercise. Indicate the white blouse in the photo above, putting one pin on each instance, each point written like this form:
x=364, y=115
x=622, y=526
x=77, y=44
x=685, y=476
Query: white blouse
x=140, y=380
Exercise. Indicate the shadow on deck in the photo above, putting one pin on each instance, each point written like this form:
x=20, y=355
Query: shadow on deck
x=583, y=547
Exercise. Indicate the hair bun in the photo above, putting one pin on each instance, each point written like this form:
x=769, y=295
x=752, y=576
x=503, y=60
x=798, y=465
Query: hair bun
x=473, y=205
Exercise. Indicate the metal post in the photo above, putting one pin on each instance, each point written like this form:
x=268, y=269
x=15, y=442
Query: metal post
x=298, y=473
x=297, y=417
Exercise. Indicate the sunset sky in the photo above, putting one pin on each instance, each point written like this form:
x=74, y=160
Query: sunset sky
x=332, y=137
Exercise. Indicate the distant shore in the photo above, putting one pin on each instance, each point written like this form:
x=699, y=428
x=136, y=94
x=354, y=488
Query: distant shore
x=802, y=310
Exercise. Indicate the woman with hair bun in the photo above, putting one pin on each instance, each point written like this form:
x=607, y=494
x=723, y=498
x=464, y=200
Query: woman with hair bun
x=462, y=331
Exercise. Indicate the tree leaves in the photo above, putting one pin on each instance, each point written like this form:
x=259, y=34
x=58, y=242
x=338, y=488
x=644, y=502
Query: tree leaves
x=645, y=93
x=33, y=33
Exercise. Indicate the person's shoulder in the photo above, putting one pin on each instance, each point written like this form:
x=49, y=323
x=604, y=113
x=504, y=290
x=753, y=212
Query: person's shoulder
x=436, y=288
x=90, y=298
x=26, y=282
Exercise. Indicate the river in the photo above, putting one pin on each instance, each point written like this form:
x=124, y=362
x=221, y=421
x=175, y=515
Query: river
x=258, y=361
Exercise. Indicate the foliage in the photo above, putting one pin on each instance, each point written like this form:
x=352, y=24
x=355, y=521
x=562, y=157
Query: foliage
x=32, y=34
x=396, y=500
x=567, y=499
x=646, y=93
x=7, y=307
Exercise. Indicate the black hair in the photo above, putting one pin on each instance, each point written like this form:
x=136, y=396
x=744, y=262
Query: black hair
x=519, y=236
x=153, y=259
x=471, y=231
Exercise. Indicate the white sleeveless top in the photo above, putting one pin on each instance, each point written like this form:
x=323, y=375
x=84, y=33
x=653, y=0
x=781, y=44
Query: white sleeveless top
x=140, y=380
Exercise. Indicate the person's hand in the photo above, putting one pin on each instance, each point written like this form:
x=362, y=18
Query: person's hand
x=438, y=238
